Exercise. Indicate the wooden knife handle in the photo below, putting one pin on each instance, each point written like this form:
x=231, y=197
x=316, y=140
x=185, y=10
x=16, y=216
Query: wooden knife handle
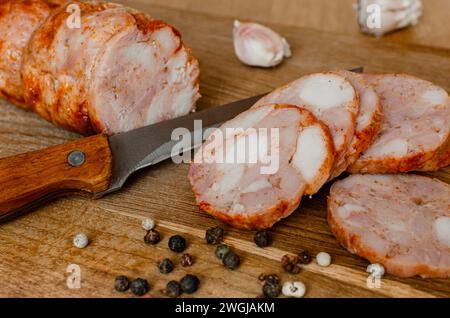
x=28, y=180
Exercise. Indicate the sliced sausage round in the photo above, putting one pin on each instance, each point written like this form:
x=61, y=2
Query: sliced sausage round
x=18, y=20
x=368, y=121
x=332, y=99
x=115, y=70
x=400, y=221
x=255, y=194
x=415, y=134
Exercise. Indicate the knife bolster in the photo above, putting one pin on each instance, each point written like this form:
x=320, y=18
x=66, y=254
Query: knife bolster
x=27, y=180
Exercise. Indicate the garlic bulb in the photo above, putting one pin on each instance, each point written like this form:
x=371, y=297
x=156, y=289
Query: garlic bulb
x=257, y=45
x=378, y=17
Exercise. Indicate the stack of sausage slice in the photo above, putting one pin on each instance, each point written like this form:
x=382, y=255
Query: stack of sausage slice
x=391, y=123
x=256, y=195
x=107, y=69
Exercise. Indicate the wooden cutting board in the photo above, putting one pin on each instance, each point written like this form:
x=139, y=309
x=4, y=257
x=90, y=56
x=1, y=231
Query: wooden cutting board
x=36, y=250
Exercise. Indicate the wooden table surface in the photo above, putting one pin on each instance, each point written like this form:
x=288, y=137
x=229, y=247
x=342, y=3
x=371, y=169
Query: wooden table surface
x=36, y=250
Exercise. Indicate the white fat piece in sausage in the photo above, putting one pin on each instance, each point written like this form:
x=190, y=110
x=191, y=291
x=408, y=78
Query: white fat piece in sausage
x=399, y=221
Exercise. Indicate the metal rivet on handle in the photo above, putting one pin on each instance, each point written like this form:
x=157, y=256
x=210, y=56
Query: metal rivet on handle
x=76, y=158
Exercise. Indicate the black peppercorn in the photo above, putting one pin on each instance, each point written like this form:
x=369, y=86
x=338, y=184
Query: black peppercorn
x=272, y=278
x=152, y=237
x=189, y=283
x=139, y=287
x=177, y=243
x=289, y=264
x=262, y=239
x=214, y=235
x=173, y=289
x=231, y=261
x=271, y=290
x=186, y=260
x=121, y=284
x=222, y=250
x=304, y=257
x=165, y=266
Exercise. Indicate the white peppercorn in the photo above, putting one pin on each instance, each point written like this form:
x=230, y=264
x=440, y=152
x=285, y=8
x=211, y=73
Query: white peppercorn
x=376, y=269
x=323, y=259
x=80, y=240
x=148, y=224
x=294, y=289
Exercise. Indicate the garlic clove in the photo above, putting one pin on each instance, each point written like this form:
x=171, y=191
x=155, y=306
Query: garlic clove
x=388, y=15
x=257, y=45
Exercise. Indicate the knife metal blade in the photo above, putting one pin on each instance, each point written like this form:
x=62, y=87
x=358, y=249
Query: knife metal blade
x=146, y=146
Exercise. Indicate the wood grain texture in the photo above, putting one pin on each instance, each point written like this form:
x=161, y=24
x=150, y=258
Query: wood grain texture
x=36, y=249
x=322, y=15
x=44, y=174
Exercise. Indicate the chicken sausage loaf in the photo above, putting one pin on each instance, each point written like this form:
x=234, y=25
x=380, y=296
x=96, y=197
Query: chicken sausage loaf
x=400, y=221
x=117, y=70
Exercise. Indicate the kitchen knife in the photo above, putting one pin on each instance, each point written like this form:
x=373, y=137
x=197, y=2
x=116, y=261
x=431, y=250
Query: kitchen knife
x=98, y=165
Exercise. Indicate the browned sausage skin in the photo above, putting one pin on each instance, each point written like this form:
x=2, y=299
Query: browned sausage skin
x=18, y=20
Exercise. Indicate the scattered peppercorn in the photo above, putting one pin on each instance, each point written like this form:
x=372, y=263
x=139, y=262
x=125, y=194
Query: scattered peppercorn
x=262, y=239
x=121, y=284
x=152, y=237
x=271, y=290
x=173, y=289
x=294, y=289
x=189, y=284
x=323, y=259
x=304, y=257
x=272, y=278
x=289, y=264
x=165, y=266
x=80, y=240
x=222, y=250
x=177, y=243
x=377, y=270
x=231, y=260
x=214, y=235
x=139, y=287
x=148, y=224
x=186, y=260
